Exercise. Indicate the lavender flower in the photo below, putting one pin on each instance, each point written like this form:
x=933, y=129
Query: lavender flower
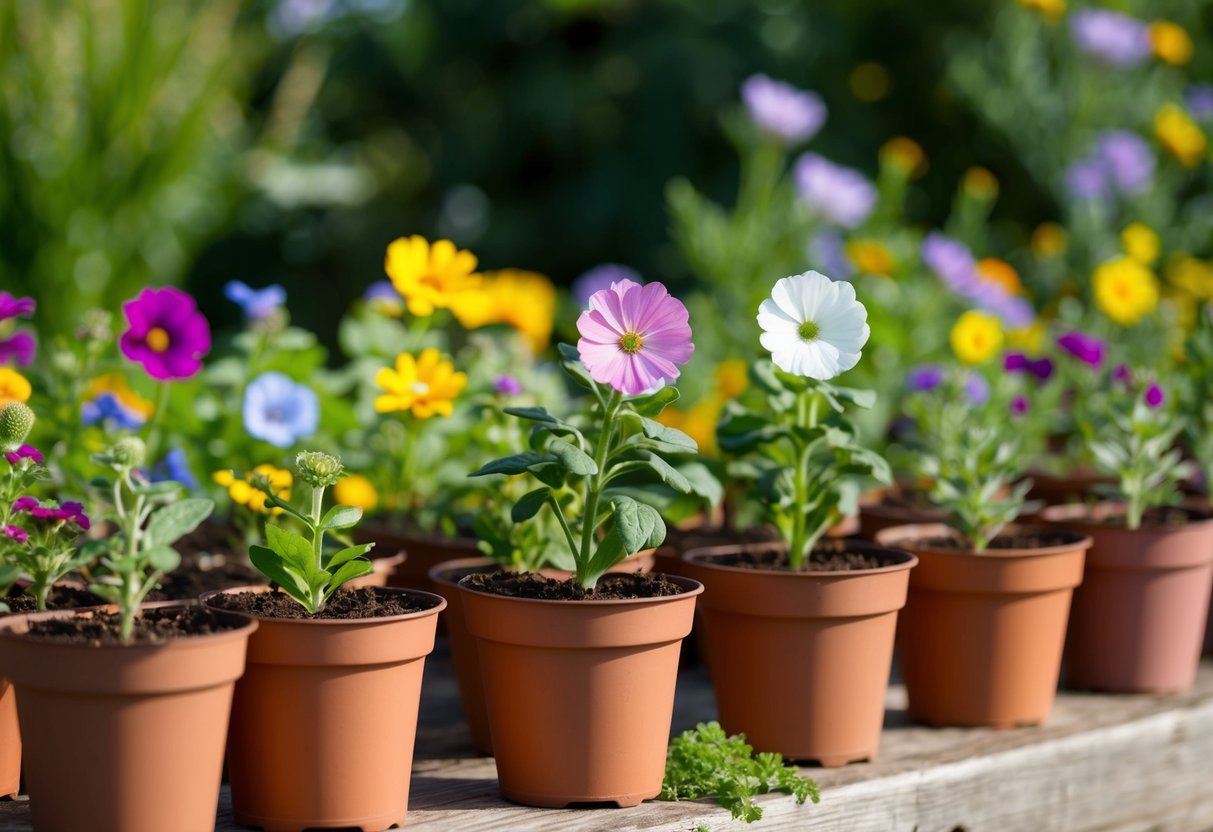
x=1085, y=348
x=1199, y=100
x=384, y=299
x=828, y=250
x=258, y=304
x=924, y=378
x=836, y=194
x=953, y=263
x=781, y=110
x=1086, y=179
x=977, y=388
x=1110, y=37
x=507, y=385
x=1127, y=160
x=601, y=277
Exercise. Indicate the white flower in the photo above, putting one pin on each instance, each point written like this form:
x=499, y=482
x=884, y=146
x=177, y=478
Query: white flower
x=813, y=326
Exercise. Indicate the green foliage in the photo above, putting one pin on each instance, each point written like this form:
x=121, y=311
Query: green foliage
x=1197, y=395
x=706, y=762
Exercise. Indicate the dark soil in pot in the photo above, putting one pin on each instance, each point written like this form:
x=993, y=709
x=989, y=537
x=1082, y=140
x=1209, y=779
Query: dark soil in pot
x=1036, y=539
x=827, y=556
x=60, y=598
x=200, y=573
x=154, y=626
x=611, y=587
x=346, y=604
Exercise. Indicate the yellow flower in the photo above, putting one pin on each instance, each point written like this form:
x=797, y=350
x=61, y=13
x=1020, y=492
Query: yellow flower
x=356, y=490
x=425, y=385
x=976, y=337
x=1125, y=290
x=14, y=387
x=1051, y=9
x=1170, y=42
x=429, y=276
x=993, y=270
x=1030, y=338
x=698, y=422
x=732, y=378
x=1141, y=243
x=1048, y=240
x=1179, y=135
x=242, y=492
x=905, y=154
x=870, y=257
x=115, y=384
x=1192, y=276
x=980, y=183
x=521, y=299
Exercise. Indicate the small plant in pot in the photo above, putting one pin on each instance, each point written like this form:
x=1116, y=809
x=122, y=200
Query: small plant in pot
x=813, y=620
x=596, y=648
x=149, y=687
x=330, y=668
x=981, y=636
x=1138, y=620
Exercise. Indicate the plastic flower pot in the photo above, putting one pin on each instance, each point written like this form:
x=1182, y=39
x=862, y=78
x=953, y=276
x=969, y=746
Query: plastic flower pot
x=880, y=509
x=981, y=636
x=10, y=741
x=580, y=694
x=800, y=661
x=641, y=562
x=384, y=570
x=464, y=654
x=1138, y=619
x=424, y=552
x=124, y=738
x=324, y=719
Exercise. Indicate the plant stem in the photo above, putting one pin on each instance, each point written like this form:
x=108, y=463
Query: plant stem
x=317, y=541
x=406, y=464
x=593, y=489
x=801, y=544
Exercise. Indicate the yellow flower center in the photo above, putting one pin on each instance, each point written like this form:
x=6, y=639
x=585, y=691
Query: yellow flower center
x=631, y=342
x=157, y=339
x=808, y=331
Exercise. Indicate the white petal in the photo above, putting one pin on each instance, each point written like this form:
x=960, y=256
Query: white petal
x=773, y=319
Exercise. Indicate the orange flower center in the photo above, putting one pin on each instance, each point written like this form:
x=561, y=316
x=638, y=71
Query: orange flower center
x=157, y=339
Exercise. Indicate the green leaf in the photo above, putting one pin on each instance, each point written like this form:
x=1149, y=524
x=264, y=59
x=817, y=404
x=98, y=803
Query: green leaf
x=549, y=473
x=347, y=554
x=667, y=473
x=270, y=564
x=534, y=414
x=348, y=572
x=576, y=461
x=639, y=526
x=652, y=405
x=341, y=517
x=174, y=521
x=570, y=360
x=510, y=465
x=161, y=558
x=295, y=551
x=670, y=438
x=529, y=504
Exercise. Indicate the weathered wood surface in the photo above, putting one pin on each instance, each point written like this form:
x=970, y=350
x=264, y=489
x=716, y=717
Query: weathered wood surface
x=1102, y=763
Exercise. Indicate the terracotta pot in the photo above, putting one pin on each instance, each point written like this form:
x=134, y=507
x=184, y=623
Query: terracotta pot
x=424, y=552
x=123, y=738
x=877, y=513
x=323, y=721
x=981, y=636
x=641, y=562
x=464, y=655
x=1139, y=617
x=384, y=569
x=10, y=741
x=1074, y=487
x=800, y=660
x=580, y=694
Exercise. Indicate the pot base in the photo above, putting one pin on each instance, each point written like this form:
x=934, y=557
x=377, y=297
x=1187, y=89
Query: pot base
x=833, y=760
x=379, y=824
x=547, y=801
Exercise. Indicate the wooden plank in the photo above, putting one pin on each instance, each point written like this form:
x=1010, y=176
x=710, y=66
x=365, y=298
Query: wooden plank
x=1101, y=763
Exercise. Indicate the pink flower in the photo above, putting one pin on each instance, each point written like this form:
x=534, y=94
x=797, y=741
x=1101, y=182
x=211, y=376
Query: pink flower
x=1153, y=396
x=634, y=337
x=16, y=533
x=24, y=452
x=167, y=335
x=53, y=512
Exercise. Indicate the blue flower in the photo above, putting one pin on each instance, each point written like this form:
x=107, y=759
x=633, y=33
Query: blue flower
x=601, y=277
x=382, y=297
x=977, y=389
x=924, y=378
x=174, y=467
x=258, y=304
x=280, y=411
x=106, y=408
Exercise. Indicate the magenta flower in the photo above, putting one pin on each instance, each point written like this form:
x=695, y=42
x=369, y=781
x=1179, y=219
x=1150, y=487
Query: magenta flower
x=24, y=452
x=1121, y=374
x=1153, y=396
x=634, y=337
x=15, y=307
x=507, y=385
x=781, y=110
x=167, y=335
x=1017, y=362
x=20, y=345
x=1020, y=406
x=1086, y=349
x=16, y=533
x=53, y=512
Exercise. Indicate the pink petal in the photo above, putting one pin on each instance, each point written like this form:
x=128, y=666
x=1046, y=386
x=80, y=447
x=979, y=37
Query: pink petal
x=593, y=326
x=608, y=303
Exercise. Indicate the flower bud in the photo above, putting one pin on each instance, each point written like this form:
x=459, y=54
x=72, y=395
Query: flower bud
x=16, y=421
x=319, y=469
x=128, y=452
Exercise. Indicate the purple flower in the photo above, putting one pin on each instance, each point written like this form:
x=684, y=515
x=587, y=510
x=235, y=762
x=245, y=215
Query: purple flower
x=1017, y=362
x=1086, y=179
x=16, y=533
x=53, y=512
x=1085, y=348
x=953, y=263
x=15, y=307
x=1153, y=396
x=634, y=337
x=977, y=388
x=258, y=304
x=507, y=385
x=1020, y=405
x=167, y=334
x=781, y=110
x=602, y=277
x=828, y=250
x=1127, y=159
x=107, y=408
x=1112, y=38
x=1122, y=374
x=174, y=468
x=924, y=378
x=20, y=345
x=1199, y=100
x=838, y=195
x=279, y=410
x=24, y=452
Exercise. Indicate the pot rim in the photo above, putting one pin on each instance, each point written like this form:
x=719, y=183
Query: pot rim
x=387, y=619
x=910, y=531
x=698, y=555
x=691, y=586
x=247, y=626
x=1057, y=515
x=436, y=572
